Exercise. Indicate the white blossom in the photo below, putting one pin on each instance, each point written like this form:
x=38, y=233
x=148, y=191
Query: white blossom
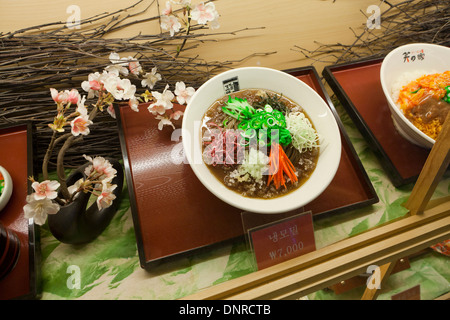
x=73, y=188
x=151, y=78
x=119, y=65
x=164, y=121
x=121, y=89
x=165, y=98
x=38, y=210
x=170, y=23
x=81, y=108
x=204, y=13
x=183, y=94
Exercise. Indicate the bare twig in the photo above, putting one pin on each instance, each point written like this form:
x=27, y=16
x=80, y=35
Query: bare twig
x=37, y=58
x=401, y=23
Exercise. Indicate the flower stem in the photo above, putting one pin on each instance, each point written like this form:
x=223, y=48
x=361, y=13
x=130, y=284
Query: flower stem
x=60, y=165
x=187, y=33
x=47, y=156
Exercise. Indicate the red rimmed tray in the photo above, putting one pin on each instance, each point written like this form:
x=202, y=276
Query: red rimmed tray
x=357, y=85
x=175, y=215
x=23, y=282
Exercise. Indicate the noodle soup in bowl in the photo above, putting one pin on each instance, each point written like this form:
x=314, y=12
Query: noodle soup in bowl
x=413, y=78
x=240, y=93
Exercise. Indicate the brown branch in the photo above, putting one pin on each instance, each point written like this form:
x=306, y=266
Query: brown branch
x=37, y=58
x=60, y=165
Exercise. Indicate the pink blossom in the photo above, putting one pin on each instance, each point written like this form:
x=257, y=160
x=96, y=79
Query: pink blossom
x=157, y=107
x=59, y=97
x=65, y=96
x=135, y=67
x=111, y=111
x=134, y=104
x=170, y=23
x=45, y=189
x=168, y=9
x=94, y=83
x=100, y=167
x=184, y=94
x=80, y=125
x=106, y=198
x=204, y=13
x=73, y=96
x=176, y=115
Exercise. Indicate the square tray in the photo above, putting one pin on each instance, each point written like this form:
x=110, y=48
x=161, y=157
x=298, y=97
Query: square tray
x=357, y=86
x=16, y=145
x=175, y=215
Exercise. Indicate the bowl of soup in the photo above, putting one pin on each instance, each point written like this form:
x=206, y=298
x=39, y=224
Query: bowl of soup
x=261, y=140
x=416, y=82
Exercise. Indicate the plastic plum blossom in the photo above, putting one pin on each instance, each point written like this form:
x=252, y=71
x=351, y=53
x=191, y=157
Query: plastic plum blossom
x=151, y=78
x=170, y=23
x=74, y=119
x=203, y=14
x=184, y=94
x=45, y=189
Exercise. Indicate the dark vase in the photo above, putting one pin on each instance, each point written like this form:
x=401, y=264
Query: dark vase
x=76, y=223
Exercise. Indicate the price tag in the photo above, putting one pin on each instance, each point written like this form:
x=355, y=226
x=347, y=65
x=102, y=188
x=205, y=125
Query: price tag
x=282, y=240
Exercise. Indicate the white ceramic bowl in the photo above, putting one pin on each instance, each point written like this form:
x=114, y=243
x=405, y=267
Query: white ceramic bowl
x=7, y=191
x=292, y=88
x=428, y=58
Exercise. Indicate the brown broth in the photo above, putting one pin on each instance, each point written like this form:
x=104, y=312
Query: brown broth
x=304, y=162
